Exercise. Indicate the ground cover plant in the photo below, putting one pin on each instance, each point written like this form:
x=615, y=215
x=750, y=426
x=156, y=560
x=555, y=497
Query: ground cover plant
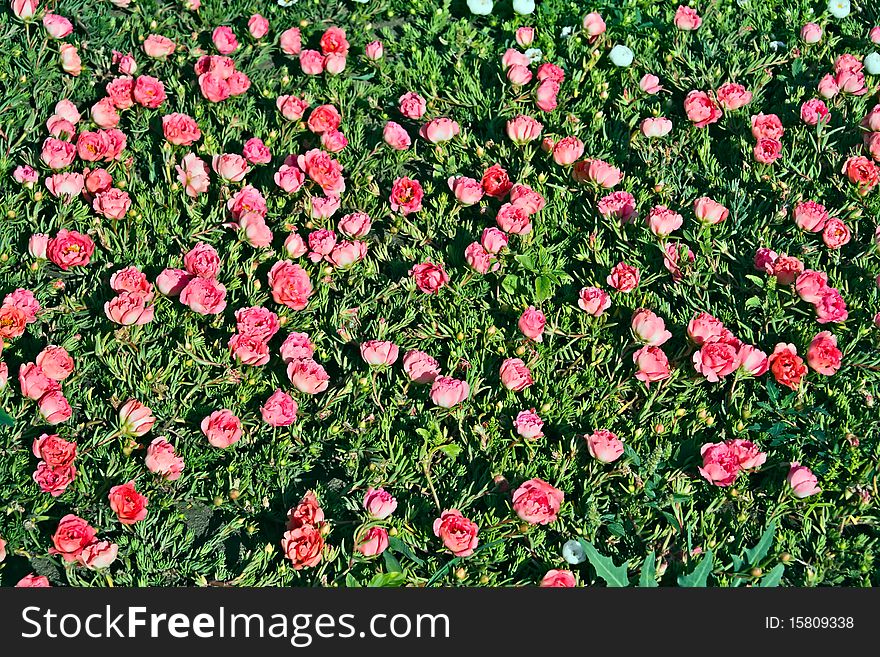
x=391, y=293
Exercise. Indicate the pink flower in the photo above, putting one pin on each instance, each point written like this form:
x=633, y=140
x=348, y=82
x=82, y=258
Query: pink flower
x=447, y=392
x=513, y=219
x=604, y=446
x=528, y=424
x=104, y=113
x=655, y=127
x=70, y=60
x=356, y=224
x=862, y=172
x=24, y=9
x=112, y=204
x=830, y=307
x=324, y=118
x=525, y=36
x=439, y=130
x=420, y=367
x=291, y=41
x=558, y=579
x=292, y=108
x=54, y=407
x=135, y=419
x=290, y=285
x=493, y=240
x=732, y=96
x=701, y=109
x=546, y=95
x=230, y=166
x=65, y=184
x=307, y=376
x=222, y=428
x=25, y=175
x=802, y=481
x=673, y=253
x=811, y=33
x=193, y=175
x=33, y=581
x=128, y=505
x=162, y=460
x=527, y=199
x=662, y=221
x=828, y=87
x=98, y=555
x=836, y=233
x=429, y=277
x=56, y=26
x=412, y=105
x=515, y=375
x=249, y=349
x=54, y=479
x=650, y=84
x=810, y=285
x=623, y=277
x=478, y=258
x=279, y=410
x=467, y=191
x=597, y=171
x=652, y=364
x=289, y=178
x=13, y=322
x=379, y=503
x=71, y=537
x=312, y=62
x=256, y=152
x=258, y=26
x=767, y=151
x=813, y=111
x=57, y=153
x=334, y=141
x=148, y=91
x=593, y=24
x=786, y=269
x=55, y=362
x=715, y=360
x=70, y=249
x=710, y=211
x=752, y=360
x=396, y=136
x=334, y=42
x=649, y=328
x=379, y=352
x=537, y=502
x=567, y=150
x=129, y=308
x=458, y=534
x=374, y=51
x=594, y=301
x=531, y=323
x=224, y=40
x=721, y=463
x=372, y=542
x=171, y=282
x=326, y=172
x=619, y=205
x=204, y=296
x=523, y=129
x=518, y=75
x=686, y=18
x=296, y=346
x=25, y=301
x=810, y=215
x=158, y=47
x=823, y=355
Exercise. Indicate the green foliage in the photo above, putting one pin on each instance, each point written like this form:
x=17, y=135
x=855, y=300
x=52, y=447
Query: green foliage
x=221, y=523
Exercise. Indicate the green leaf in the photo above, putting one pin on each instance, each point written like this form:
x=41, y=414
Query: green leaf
x=351, y=582
x=543, y=288
x=605, y=568
x=451, y=450
x=400, y=547
x=383, y=580
x=392, y=565
x=525, y=260
x=648, y=576
x=700, y=574
x=773, y=578
x=5, y=419
x=754, y=555
x=509, y=283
